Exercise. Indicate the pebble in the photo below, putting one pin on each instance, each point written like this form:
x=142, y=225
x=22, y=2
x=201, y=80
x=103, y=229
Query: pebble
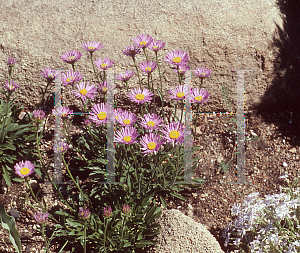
x=285, y=164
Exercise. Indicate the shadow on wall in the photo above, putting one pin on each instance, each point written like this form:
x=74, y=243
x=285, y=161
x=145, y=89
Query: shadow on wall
x=283, y=96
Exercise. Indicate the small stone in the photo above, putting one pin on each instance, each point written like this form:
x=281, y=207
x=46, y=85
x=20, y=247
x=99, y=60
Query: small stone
x=14, y=213
x=190, y=207
x=293, y=150
x=178, y=207
x=194, y=195
x=285, y=164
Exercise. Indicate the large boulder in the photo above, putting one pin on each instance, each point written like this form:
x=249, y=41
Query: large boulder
x=220, y=35
x=180, y=233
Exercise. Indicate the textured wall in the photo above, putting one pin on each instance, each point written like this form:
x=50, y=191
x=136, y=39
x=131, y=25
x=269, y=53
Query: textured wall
x=220, y=35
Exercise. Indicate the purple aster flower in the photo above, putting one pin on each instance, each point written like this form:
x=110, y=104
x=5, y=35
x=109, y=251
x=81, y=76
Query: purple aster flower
x=107, y=211
x=140, y=97
x=40, y=217
x=151, y=144
x=87, y=122
x=11, y=61
x=103, y=86
x=11, y=86
x=24, y=169
x=148, y=66
x=91, y=46
x=200, y=97
x=48, y=74
x=143, y=40
x=156, y=45
x=62, y=111
x=127, y=135
x=132, y=50
x=84, y=213
x=118, y=112
x=178, y=92
x=126, y=76
x=126, y=118
x=174, y=133
x=202, y=72
x=126, y=208
x=106, y=64
x=71, y=77
x=38, y=114
x=151, y=121
x=71, y=57
x=99, y=115
x=60, y=147
x=85, y=90
x=177, y=57
x=182, y=69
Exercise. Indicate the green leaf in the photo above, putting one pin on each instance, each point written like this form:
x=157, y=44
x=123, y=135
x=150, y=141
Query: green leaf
x=177, y=195
x=7, y=146
x=164, y=203
x=6, y=176
x=8, y=222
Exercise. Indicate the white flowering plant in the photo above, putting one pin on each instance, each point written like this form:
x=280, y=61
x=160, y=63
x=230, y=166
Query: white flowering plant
x=269, y=225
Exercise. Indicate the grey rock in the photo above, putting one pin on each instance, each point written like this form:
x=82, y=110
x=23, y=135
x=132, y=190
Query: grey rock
x=220, y=35
x=180, y=233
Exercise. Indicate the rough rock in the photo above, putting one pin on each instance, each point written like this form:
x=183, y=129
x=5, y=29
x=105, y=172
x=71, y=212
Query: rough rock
x=180, y=233
x=221, y=35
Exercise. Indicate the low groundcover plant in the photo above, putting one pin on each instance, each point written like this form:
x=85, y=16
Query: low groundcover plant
x=269, y=225
x=99, y=216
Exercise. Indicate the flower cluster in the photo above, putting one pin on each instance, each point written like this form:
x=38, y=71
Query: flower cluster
x=40, y=217
x=253, y=217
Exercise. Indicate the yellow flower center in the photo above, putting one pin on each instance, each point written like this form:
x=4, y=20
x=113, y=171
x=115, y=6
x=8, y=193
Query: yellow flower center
x=103, y=65
x=177, y=59
x=70, y=79
x=24, y=171
x=180, y=94
x=127, y=138
x=154, y=47
x=104, y=89
x=91, y=48
x=198, y=98
x=83, y=91
x=51, y=76
x=71, y=58
x=101, y=115
x=60, y=149
x=64, y=114
x=126, y=121
x=151, y=123
x=148, y=68
x=140, y=96
x=11, y=87
x=117, y=117
x=174, y=134
x=151, y=145
x=143, y=43
x=202, y=74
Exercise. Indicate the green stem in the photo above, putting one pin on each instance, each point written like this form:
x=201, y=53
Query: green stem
x=145, y=53
x=153, y=93
x=43, y=95
x=159, y=78
x=71, y=176
x=178, y=74
x=97, y=76
x=141, y=110
x=136, y=172
x=84, y=235
x=181, y=110
x=66, y=130
x=126, y=81
x=7, y=102
x=47, y=245
x=105, y=225
x=137, y=71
